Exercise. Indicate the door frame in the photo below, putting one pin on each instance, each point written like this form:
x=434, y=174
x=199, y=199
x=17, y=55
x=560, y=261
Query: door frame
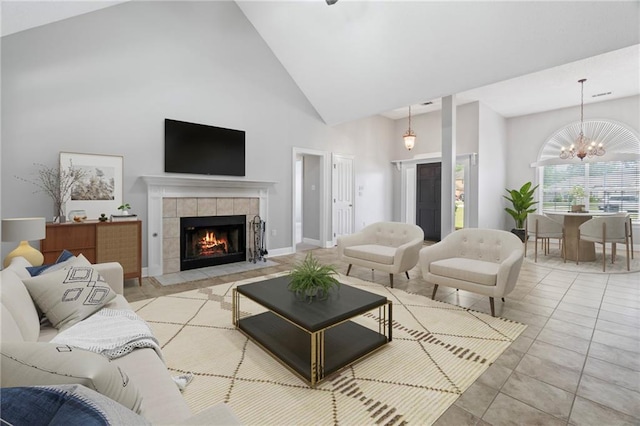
x=323, y=193
x=408, y=186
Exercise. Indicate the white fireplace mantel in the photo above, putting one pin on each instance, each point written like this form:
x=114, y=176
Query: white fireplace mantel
x=176, y=180
x=186, y=186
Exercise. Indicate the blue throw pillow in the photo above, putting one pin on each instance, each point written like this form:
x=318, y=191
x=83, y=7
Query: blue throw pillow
x=67, y=405
x=41, y=406
x=39, y=270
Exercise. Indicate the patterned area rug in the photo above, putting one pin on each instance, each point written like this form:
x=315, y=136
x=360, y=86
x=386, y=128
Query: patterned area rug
x=438, y=350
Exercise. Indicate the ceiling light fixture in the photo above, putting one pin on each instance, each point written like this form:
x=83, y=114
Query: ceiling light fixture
x=330, y=2
x=583, y=146
x=409, y=137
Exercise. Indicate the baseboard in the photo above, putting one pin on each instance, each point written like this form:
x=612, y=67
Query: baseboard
x=311, y=242
x=281, y=251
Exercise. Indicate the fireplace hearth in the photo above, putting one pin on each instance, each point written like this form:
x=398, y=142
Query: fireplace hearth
x=212, y=240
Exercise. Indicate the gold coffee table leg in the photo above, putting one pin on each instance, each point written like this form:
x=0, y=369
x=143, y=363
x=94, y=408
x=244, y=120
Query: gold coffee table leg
x=235, y=307
x=317, y=357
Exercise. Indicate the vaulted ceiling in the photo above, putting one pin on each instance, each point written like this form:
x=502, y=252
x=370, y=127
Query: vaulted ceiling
x=360, y=58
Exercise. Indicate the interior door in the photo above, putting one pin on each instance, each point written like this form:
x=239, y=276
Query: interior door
x=428, y=199
x=342, y=194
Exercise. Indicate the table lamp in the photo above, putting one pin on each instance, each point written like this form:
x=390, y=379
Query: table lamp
x=24, y=229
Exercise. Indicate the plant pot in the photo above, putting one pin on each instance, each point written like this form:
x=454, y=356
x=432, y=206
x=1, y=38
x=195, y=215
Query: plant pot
x=308, y=295
x=519, y=232
x=312, y=292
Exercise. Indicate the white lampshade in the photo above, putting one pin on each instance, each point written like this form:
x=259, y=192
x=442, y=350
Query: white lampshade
x=24, y=229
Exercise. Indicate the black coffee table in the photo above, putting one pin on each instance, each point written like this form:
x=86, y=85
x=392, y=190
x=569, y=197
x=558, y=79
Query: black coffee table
x=312, y=339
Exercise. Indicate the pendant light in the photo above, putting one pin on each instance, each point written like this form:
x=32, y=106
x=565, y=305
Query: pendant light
x=409, y=137
x=583, y=146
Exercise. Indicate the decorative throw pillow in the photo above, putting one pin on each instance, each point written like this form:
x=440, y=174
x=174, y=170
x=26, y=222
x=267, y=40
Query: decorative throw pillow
x=19, y=265
x=63, y=404
x=42, y=364
x=69, y=295
x=59, y=264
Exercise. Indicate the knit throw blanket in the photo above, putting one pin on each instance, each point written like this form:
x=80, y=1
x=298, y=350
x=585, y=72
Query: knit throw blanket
x=110, y=332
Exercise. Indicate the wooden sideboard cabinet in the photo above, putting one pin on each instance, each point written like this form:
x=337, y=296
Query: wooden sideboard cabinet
x=99, y=242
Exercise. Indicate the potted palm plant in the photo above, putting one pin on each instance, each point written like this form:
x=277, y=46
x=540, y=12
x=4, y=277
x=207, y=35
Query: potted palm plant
x=522, y=202
x=310, y=279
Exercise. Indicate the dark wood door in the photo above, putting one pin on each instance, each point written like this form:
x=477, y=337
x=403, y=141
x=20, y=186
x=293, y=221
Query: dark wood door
x=428, y=200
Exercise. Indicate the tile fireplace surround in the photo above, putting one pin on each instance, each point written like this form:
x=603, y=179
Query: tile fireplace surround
x=170, y=197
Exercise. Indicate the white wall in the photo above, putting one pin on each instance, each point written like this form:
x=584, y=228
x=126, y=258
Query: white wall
x=428, y=129
x=370, y=141
x=103, y=82
x=492, y=158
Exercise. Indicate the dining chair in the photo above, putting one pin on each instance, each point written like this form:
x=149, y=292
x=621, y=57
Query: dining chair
x=630, y=229
x=605, y=229
x=544, y=228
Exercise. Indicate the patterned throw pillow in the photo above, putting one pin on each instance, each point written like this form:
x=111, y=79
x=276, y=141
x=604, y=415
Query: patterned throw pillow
x=69, y=295
x=42, y=364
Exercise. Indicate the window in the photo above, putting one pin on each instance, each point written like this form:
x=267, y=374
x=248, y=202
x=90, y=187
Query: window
x=610, y=186
x=610, y=183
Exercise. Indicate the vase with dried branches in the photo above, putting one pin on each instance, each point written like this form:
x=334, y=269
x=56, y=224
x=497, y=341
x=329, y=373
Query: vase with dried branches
x=57, y=183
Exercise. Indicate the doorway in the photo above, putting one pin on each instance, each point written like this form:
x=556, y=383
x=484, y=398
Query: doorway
x=309, y=199
x=428, y=199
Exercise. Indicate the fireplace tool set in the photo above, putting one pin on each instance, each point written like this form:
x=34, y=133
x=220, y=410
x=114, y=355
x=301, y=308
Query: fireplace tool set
x=259, y=249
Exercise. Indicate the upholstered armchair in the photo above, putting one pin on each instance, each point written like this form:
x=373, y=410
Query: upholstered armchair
x=603, y=230
x=629, y=229
x=483, y=261
x=390, y=247
x=544, y=228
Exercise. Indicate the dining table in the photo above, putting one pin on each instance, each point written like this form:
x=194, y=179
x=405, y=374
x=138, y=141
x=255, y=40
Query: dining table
x=571, y=222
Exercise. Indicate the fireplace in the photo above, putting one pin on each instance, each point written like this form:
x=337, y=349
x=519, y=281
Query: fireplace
x=212, y=240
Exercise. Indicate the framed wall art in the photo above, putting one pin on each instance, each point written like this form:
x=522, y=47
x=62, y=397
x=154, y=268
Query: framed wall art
x=100, y=188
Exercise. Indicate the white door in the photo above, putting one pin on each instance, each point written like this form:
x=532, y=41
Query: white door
x=342, y=194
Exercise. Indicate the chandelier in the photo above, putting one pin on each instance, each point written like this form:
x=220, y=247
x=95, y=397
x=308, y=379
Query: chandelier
x=409, y=137
x=583, y=146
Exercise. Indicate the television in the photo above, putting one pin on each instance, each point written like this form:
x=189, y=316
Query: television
x=201, y=149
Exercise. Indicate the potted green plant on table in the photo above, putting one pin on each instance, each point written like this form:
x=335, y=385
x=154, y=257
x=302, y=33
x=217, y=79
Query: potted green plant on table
x=522, y=202
x=124, y=208
x=310, y=279
x=577, y=195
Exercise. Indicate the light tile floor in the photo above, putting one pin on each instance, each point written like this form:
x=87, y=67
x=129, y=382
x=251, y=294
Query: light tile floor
x=577, y=363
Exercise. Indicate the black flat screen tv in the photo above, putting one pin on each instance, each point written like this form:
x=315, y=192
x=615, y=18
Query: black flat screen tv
x=200, y=149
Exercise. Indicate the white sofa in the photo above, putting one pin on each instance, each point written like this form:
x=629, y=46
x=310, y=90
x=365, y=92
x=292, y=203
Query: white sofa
x=391, y=247
x=483, y=261
x=157, y=397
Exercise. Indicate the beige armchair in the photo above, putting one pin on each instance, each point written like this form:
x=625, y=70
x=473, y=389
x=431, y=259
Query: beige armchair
x=483, y=261
x=603, y=230
x=391, y=247
x=544, y=228
x=629, y=229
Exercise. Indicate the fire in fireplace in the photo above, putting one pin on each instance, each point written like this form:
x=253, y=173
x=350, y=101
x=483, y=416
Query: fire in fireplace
x=212, y=240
